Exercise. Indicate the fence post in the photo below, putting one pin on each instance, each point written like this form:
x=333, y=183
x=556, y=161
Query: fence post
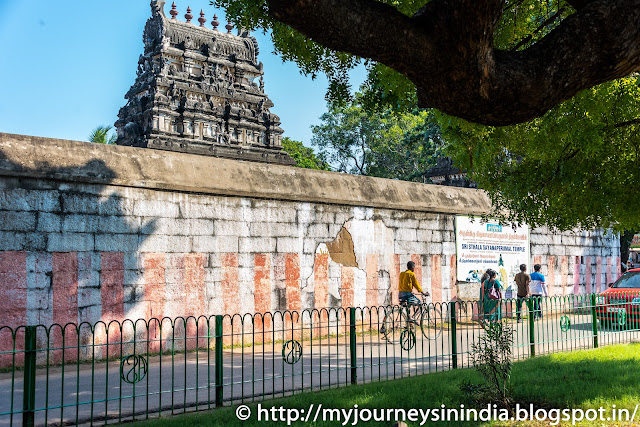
x=594, y=321
x=454, y=340
x=219, y=366
x=352, y=344
x=29, y=399
x=532, y=335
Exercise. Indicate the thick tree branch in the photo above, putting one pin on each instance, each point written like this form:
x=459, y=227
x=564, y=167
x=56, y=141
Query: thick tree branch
x=446, y=50
x=627, y=123
x=578, y=4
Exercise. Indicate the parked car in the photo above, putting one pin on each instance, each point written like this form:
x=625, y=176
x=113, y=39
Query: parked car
x=619, y=305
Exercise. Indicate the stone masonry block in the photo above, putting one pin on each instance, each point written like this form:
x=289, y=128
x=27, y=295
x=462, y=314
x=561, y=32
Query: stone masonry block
x=166, y=226
x=568, y=240
x=215, y=244
x=88, y=297
x=434, y=248
x=540, y=239
x=231, y=228
x=190, y=209
x=274, y=214
x=49, y=222
x=39, y=299
x=200, y=227
x=304, y=213
x=404, y=223
x=119, y=224
x=406, y=234
x=154, y=208
x=407, y=247
x=133, y=294
x=556, y=239
x=80, y=223
x=15, y=241
x=574, y=250
x=70, y=242
x=17, y=221
x=116, y=242
x=436, y=236
x=310, y=246
x=424, y=235
x=179, y=244
x=539, y=250
x=448, y=248
x=273, y=229
x=80, y=203
x=289, y=244
x=29, y=200
x=557, y=250
x=257, y=245
x=152, y=243
x=318, y=230
x=133, y=277
x=116, y=206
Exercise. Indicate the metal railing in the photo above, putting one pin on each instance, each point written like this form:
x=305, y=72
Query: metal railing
x=111, y=372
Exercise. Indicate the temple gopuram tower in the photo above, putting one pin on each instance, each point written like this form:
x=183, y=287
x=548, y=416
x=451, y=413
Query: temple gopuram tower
x=200, y=91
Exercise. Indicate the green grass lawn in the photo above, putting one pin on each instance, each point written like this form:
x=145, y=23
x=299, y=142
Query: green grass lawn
x=582, y=379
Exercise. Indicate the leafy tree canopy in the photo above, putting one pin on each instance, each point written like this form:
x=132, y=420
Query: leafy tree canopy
x=495, y=62
x=383, y=143
x=561, y=63
x=304, y=156
x=576, y=166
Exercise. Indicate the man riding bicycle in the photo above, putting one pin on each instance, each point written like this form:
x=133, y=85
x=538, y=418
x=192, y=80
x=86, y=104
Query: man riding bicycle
x=408, y=281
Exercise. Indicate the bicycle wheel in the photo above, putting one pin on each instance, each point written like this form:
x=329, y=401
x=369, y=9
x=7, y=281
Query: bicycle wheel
x=431, y=322
x=394, y=323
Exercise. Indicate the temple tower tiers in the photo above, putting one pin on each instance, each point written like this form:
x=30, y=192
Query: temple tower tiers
x=200, y=91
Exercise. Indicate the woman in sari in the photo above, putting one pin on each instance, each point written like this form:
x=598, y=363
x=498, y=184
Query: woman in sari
x=491, y=308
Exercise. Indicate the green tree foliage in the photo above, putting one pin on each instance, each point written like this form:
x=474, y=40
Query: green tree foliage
x=101, y=135
x=492, y=61
x=379, y=143
x=576, y=166
x=304, y=156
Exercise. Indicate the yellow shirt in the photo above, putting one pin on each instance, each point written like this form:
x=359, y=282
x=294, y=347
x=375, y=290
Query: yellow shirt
x=408, y=281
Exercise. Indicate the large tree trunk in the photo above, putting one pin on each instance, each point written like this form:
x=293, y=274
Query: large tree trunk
x=447, y=51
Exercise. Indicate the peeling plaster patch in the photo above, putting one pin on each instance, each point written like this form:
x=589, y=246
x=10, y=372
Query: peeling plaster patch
x=341, y=249
x=360, y=236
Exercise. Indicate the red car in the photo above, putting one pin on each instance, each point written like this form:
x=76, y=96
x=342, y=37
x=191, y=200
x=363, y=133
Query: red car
x=619, y=305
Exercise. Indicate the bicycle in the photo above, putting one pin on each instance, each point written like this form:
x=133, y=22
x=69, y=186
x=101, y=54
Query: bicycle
x=399, y=323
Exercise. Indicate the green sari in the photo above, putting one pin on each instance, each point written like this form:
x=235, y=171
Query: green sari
x=491, y=308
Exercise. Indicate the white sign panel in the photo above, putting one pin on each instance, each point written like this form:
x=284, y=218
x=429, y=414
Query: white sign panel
x=484, y=245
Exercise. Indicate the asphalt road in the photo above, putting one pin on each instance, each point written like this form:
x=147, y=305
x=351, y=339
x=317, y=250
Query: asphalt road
x=86, y=391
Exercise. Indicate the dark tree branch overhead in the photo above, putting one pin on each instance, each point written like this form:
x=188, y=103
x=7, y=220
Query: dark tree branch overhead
x=446, y=50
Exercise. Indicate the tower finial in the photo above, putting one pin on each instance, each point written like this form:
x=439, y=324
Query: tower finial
x=188, y=16
x=229, y=27
x=201, y=20
x=174, y=11
x=215, y=22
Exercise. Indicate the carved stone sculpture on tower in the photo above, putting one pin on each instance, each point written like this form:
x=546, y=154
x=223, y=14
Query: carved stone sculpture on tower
x=196, y=92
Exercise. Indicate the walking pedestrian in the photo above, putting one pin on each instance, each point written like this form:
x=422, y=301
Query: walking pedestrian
x=538, y=290
x=490, y=298
x=522, y=280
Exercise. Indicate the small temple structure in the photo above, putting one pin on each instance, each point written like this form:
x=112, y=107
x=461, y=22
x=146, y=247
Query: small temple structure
x=200, y=90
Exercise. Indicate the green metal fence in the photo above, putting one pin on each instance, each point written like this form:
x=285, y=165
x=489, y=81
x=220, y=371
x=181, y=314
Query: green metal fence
x=111, y=372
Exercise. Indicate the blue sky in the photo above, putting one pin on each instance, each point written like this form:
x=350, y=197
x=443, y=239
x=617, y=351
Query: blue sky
x=66, y=67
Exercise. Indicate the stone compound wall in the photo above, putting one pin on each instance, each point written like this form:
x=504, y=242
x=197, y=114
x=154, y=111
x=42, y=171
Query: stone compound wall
x=91, y=232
